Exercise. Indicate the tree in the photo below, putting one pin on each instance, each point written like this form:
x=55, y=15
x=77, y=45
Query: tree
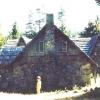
x=34, y=23
x=92, y=29
x=39, y=22
x=2, y=40
x=98, y=2
x=97, y=23
x=14, y=34
x=61, y=20
x=30, y=31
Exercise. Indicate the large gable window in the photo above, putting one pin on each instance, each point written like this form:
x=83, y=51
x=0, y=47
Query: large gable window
x=41, y=46
x=64, y=46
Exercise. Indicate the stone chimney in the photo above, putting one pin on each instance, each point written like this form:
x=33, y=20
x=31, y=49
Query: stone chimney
x=49, y=19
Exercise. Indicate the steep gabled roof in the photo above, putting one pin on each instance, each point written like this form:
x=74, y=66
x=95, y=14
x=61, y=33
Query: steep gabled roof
x=24, y=39
x=8, y=54
x=56, y=31
x=41, y=32
x=86, y=44
x=11, y=49
x=11, y=43
x=49, y=25
x=16, y=42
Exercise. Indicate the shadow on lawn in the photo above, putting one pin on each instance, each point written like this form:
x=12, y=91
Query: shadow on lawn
x=92, y=95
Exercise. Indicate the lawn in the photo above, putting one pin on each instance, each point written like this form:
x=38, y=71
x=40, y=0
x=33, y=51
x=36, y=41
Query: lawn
x=57, y=95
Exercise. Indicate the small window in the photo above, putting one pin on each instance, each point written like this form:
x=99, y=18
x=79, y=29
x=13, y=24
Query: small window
x=64, y=46
x=41, y=46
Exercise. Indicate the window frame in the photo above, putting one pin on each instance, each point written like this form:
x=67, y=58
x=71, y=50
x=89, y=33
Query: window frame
x=41, y=51
x=64, y=43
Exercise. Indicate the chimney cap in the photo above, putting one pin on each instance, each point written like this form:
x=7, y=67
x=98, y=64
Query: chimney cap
x=49, y=19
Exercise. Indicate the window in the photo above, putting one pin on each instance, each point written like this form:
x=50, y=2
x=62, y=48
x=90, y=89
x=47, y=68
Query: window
x=64, y=46
x=41, y=46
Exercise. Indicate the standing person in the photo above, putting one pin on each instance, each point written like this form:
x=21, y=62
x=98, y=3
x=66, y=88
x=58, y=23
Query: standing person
x=38, y=84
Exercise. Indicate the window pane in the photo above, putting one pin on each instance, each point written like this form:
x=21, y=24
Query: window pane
x=41, y=46
x=64, y=46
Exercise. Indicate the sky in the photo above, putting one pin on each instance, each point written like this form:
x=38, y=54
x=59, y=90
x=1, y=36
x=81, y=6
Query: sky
x=77, y=12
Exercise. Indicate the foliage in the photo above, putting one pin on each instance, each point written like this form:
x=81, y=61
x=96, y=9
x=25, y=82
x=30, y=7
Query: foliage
x=91, y=95
x=97, y=23
x=60, y=18
x=92, y=29
x=98, y=2
x=62, y=26
x=14, y=34
x=30, y=27
x=2, y=40
x=41, y=19
x=34, y=23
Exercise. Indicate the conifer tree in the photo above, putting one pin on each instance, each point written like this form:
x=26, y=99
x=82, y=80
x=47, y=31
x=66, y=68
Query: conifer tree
x=14, y=34
x=30, y=31
x=92, y=29
x=61, y=20
x=98, y=2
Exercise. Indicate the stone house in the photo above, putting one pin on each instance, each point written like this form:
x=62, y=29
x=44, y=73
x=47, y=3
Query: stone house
x=95, y=55
x=91, y=47
x=21, y=41
x=11, y=49
x=53, y=56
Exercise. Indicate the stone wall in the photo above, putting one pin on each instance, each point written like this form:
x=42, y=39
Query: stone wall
x=57, y=72
x=57, y=69
x=96, y=54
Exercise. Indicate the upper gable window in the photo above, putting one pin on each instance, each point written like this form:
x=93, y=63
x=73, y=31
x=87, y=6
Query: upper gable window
x=64, y=46
x=41, y=46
